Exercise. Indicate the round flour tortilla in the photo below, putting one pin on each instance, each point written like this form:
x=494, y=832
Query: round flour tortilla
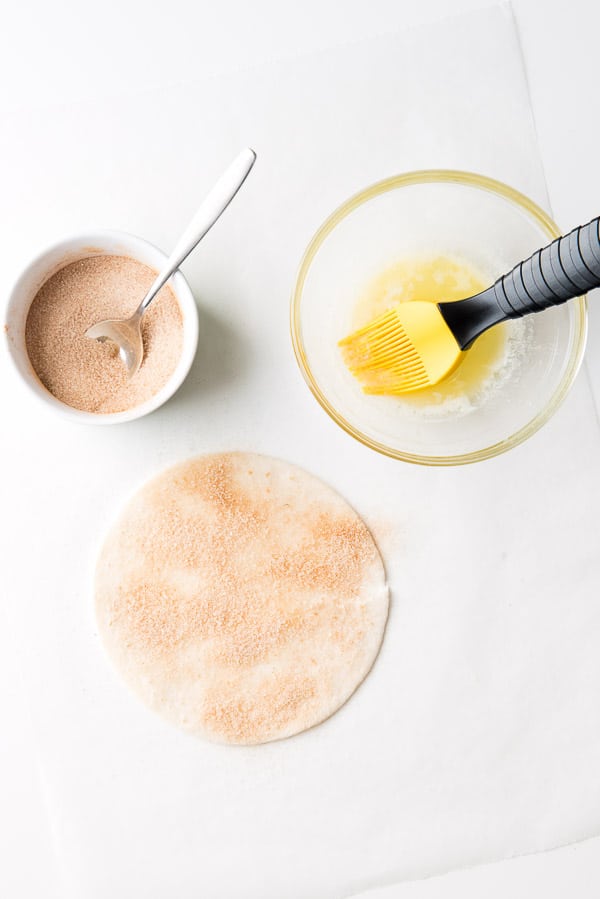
x=241, y=598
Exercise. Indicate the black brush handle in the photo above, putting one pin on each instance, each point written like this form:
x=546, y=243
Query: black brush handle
x=566, y=268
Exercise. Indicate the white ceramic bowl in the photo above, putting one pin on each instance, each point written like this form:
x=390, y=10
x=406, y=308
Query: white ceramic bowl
x=82, y=246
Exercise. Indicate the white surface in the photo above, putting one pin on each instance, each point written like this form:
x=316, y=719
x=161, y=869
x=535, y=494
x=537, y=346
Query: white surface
x=570, y=871
x=59, y=57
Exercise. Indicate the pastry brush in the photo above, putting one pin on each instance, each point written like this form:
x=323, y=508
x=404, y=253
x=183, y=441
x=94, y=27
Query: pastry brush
x=417, y=344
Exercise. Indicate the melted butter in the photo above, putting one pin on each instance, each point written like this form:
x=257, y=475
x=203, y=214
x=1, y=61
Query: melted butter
x=434, y=279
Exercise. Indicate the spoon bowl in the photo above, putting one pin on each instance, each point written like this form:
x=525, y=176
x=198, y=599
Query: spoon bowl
x=127, y=335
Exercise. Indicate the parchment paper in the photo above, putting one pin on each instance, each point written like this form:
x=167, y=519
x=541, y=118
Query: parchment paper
x=477, y=734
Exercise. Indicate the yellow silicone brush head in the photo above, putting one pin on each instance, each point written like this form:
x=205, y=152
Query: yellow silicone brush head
x=408, y=348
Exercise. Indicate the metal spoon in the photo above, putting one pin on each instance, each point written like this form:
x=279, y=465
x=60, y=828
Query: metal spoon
x=127, y=333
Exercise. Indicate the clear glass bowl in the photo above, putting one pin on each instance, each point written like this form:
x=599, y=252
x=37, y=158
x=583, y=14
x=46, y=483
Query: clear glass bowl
x=482, y=221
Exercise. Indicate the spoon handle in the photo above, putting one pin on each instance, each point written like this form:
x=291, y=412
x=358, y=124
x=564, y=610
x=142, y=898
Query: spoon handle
x=211, y=208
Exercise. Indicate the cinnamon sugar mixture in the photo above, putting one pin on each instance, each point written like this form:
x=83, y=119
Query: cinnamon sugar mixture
x=241, y=597
x=84, y=373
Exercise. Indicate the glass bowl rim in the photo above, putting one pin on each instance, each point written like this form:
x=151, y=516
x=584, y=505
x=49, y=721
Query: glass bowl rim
x=432, y=176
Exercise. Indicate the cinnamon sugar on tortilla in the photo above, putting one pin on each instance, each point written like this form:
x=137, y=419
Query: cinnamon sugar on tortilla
x=242, y=614
x=86, y=374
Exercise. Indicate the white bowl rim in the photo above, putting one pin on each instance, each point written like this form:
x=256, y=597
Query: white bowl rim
x=133, y=245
